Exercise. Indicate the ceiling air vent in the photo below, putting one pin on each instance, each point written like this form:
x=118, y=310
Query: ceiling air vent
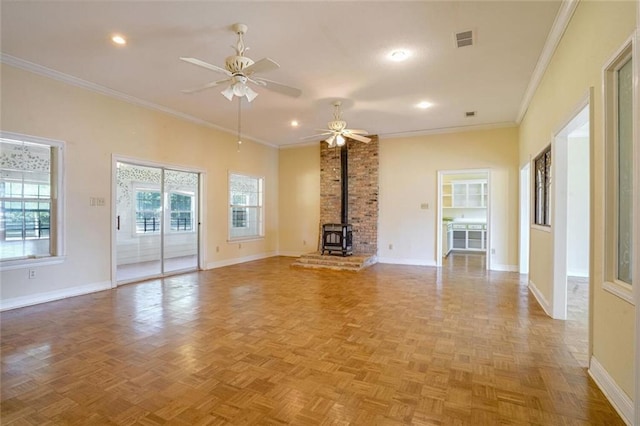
x=464, y=38
x=470, y=114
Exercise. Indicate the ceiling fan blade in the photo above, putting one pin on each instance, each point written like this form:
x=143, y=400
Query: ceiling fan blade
x=263, y=65
x=278, y=87
x=203, y=64
x=356, y=131
x=357, y=137
x=206, y=86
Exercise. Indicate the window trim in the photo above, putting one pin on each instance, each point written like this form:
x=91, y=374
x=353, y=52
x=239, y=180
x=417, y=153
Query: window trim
x=57, y=236
x=260, y=234
x=611, y=283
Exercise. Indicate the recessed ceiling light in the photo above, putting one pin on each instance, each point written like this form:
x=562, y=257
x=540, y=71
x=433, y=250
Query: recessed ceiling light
x=118, y=39
x=424, y=105
x=294, y=123
x=398, y=55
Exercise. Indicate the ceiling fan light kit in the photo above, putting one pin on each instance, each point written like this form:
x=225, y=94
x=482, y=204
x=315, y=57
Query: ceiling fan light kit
x=338, y=132
x=241, y=70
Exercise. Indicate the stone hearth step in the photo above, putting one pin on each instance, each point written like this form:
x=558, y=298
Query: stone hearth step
x=353, y=263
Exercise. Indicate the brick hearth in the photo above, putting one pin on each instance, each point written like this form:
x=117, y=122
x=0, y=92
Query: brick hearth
x=353, y=263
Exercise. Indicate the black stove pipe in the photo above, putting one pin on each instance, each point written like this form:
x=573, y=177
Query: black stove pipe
x=344, y=182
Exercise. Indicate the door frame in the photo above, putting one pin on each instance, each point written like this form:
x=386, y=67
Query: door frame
x=636, y=205
x=525, y=217
x=201, y=231
x=439, y=236
x=581, y=114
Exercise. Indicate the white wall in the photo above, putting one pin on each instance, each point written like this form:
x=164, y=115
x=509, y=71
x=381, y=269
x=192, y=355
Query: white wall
x=578, y=207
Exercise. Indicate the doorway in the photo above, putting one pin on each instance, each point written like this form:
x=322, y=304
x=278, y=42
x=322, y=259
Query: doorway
x=463, y=215
x=156, y=221
x=571, y=218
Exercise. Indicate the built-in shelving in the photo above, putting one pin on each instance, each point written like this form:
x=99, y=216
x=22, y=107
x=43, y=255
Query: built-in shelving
x=466, y=236
x=465, y=194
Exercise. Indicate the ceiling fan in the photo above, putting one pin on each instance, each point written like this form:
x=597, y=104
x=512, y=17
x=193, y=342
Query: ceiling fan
x=337, y=130
x=241, y=70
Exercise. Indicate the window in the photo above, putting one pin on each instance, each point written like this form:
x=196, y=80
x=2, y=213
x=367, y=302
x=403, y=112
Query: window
x=148, y=211
x=239, y=214
x=245, y=204
x=181, y=211
x=624, y=171
x=619, y=128
x=542, y=202
x=30, y=207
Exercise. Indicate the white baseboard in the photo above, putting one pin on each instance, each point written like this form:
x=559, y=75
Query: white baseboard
x=616, y=396
x=397, y=261
x=506, y=268
x=542, y=301
x=236, y=260
x=50, y=296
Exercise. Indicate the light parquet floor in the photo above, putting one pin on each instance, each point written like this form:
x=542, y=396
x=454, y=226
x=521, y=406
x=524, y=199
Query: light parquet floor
x=263, y=343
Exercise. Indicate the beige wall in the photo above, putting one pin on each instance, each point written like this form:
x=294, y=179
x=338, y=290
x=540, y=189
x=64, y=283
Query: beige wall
x=408, y=178
x=299, y=202
x=596, y=31
x=94, y=127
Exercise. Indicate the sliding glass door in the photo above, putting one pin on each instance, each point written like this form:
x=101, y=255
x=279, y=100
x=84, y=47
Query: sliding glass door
x=156, y=221
x=181, y=207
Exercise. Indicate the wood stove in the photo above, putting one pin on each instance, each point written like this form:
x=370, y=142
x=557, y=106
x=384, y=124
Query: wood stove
x=338, y=237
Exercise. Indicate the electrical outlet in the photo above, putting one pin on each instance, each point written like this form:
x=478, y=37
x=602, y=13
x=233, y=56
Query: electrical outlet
x=493, y=251
x=390, y=246
x=239, y=246
x=217, y=249
x=304, y=242
x=32, y=274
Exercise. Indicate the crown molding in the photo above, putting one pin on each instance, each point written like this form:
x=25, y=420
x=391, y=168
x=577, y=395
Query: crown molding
x=441, y=130
x=558, y=28
x=84, y=84
x=423, y=132
x=301, y=144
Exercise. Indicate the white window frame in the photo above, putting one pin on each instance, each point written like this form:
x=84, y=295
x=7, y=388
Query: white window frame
x=610, y=89
x=165, y=214
x=259, y=207
x=57, y=233
x=134, y=223
x=239, y=207
x=169, y=211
